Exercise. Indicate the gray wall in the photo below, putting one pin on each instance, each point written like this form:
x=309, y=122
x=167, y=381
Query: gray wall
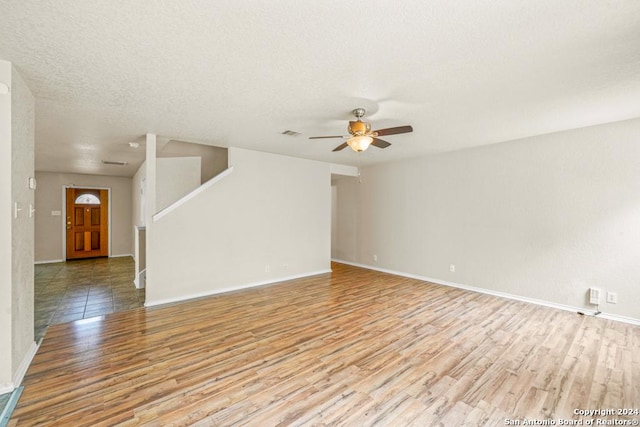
x=344, y=246
x=542, y=218
x=175, y=178
x=49, y=197
x=213, y=160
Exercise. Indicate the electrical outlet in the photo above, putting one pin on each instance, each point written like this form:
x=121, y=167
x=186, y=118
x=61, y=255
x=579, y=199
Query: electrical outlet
x=452, y=268
x=375, y=257
x=594, y=296
x=612, y=297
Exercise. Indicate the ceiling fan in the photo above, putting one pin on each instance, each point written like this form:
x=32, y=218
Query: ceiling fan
x=361, y=136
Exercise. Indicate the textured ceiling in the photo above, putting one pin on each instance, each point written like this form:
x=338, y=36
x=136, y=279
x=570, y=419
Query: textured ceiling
x=238, y=73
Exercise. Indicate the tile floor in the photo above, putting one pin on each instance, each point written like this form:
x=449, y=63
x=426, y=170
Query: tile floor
x=74, y=290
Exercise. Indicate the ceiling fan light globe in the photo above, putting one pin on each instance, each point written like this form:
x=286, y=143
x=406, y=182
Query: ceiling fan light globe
x=359, y=143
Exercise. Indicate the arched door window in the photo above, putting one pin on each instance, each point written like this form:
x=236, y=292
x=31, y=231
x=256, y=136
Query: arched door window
x=87, y=199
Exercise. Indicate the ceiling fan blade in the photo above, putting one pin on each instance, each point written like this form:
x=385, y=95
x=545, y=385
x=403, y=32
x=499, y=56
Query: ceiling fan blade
x=394, y=131
x=321, y=137
x=340, y=147
x=380, y=143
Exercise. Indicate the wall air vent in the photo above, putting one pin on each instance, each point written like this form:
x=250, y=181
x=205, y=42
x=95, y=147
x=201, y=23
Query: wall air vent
x=111, y=162
x=291, y=133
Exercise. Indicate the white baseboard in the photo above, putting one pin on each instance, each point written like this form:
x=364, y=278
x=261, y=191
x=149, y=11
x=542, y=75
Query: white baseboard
x=120, y=255
x=550, y=304
x=22, y=370
x=618, y=318
x=24, y=365
x=231, y=289
x=140, y=281
x=50, y=261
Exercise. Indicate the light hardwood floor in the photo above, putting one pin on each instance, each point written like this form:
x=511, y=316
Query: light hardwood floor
x=354, y=347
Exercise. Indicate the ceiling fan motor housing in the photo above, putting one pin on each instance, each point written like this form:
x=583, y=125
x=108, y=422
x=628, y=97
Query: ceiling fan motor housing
x=359, y=128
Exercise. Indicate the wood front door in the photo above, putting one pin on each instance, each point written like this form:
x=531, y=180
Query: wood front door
x=87, y=223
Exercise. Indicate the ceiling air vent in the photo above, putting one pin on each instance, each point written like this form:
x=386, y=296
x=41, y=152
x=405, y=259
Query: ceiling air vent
x=291, y=133
x=111, y=162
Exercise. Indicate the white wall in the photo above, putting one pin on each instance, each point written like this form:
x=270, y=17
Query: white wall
x=49, y=228
x=138, y=196
x=543, y=218
x=175, y=178
x=271, y=210
x=16, y=232
x=6, y=207
x=22, y=250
